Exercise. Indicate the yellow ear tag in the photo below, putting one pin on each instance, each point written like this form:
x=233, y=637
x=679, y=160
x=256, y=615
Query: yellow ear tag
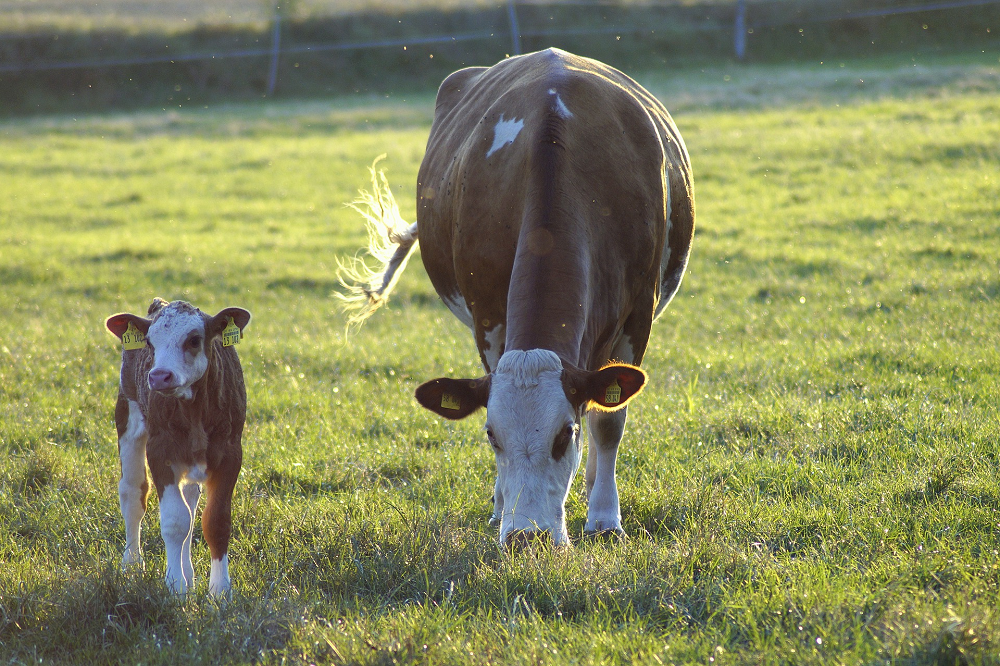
x=133, y=338
x=613, y=395
x=449, y=401
x=231, y=334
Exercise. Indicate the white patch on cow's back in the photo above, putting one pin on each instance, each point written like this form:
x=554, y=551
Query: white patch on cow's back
x=560, y=107
x=504, y=133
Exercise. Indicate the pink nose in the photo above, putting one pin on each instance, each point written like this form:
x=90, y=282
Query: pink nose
x=161, y=380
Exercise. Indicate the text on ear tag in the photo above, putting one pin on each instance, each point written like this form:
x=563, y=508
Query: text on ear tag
x=231, y=334
x=133, y=338
x=449, y=401
x=613, y=394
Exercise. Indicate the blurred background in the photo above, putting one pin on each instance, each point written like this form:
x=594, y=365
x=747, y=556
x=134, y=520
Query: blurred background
x=68, y=55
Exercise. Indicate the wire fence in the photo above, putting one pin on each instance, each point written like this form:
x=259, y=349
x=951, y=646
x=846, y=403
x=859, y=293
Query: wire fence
x=740, y=26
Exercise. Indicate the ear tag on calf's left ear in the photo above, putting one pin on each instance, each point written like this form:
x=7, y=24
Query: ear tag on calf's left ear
x=133, y=338
x=231, y=334
x=449, y=401
x=613, y=394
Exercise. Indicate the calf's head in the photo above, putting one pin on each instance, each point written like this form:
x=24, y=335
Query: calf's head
x=534, y=403
x=179, y=336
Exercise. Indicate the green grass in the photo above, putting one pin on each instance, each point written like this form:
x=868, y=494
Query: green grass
x=811, y=476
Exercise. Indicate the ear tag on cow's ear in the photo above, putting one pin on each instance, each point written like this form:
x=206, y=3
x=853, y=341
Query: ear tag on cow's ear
x=231, y=334
x=613, y=394
x=133, y=338
x=449, y=401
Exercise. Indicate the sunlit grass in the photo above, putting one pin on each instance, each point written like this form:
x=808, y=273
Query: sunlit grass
x=809, y=478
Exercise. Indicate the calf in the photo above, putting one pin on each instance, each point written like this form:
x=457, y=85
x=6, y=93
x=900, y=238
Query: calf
x=181, y=409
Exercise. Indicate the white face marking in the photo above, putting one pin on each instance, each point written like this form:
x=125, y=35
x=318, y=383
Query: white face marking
x=527, y=411
x=560, y=107
x=177, y=362
x=132, y=452
x=218, y=581
x=504, y=133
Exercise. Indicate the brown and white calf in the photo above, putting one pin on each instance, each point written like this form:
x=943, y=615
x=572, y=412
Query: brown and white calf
x=555, y=212
x=181, y=409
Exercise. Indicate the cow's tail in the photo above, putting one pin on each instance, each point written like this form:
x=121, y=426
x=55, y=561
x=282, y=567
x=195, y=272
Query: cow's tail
x=390, y=242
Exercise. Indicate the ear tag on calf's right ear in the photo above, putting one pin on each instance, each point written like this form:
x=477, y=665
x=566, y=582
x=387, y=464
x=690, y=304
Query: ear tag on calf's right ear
x=133, y=338
x=231, y=334
x=613, y=394
x=449, y=401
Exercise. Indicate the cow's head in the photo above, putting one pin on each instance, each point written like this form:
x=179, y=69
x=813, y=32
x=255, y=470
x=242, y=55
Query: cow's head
x=534, y=403
x=179, y=335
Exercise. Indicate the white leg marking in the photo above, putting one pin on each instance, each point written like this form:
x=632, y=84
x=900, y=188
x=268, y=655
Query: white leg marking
x=192, y=493
x=219, y=580
x=603, y=511
x=175, y=528
x=591, y=474
x=132, y=451
x=495, y=338
x=504, y=133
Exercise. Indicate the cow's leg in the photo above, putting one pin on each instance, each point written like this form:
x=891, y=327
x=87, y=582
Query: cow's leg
x=176, y=523
x=606, y=430
x=192, y=493
x=603, y=511
x=133, y=489
x=217, y=522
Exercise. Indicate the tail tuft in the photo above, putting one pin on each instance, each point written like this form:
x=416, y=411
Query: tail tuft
x=390, y=242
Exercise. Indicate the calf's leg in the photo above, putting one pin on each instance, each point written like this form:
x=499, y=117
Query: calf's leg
x=133, y=488
x=217, y=521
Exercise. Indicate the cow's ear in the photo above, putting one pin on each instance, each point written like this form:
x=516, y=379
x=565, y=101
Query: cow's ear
x=119, y=323
x=218, y=323
x=454, y=398
x=608, y=389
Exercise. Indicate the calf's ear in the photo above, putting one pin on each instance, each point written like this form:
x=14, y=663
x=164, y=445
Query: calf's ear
x=118, y=323
x=608, y=389
x=454, y=398
x=219, y=322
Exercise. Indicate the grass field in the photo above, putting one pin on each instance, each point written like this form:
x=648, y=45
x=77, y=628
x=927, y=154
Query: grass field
x=810, y=478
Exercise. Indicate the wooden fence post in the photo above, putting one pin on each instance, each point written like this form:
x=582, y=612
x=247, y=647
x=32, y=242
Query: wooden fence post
x=515, y=31
x=272, y=74
x=740, y=30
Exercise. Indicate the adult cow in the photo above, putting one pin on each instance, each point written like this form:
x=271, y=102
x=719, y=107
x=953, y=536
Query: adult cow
x=555, y=213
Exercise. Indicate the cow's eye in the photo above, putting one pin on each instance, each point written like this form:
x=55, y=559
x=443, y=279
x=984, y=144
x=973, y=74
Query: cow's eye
x=194, y=342
x=562, y=441
x=493, y=440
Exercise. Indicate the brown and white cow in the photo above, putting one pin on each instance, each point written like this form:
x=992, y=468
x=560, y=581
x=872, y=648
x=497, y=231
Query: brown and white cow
x=555, y=213
x=181, y=409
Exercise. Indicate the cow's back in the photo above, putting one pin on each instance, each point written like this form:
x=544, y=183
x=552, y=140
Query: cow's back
x=571, y=157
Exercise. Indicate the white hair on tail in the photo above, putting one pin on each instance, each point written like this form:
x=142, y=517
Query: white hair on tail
x=526, y=366
x=390, y=242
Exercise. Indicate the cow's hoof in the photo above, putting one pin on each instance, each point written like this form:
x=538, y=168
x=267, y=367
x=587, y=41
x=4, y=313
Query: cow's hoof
x=494, y=520
x=612, y=535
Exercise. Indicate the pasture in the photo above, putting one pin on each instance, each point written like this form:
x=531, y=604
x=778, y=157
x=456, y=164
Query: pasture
x=811, y=476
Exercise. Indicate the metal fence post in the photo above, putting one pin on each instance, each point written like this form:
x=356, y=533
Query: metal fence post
x=515, y=31
x=272, y=74
x=740, y=30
